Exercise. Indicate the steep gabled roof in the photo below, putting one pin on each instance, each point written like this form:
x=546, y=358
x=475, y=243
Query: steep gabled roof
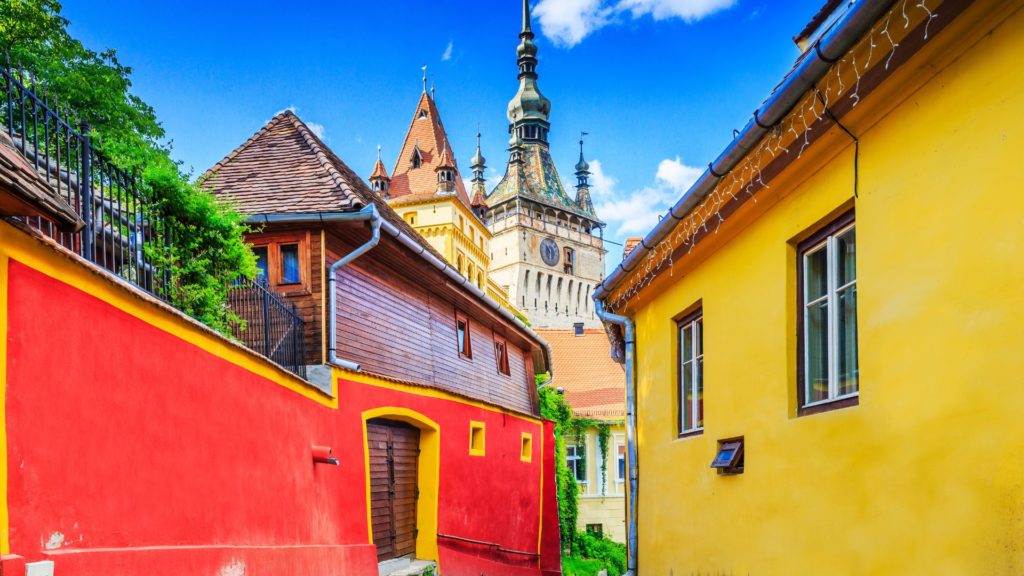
x=426, y=133
x=594, y=384
x=286, y=169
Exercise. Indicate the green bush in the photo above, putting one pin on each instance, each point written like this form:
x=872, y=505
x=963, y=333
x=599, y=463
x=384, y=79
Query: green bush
x=580, y=567
x=610, y=554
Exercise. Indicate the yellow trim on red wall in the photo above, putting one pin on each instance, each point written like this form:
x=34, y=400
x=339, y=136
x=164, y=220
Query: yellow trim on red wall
x=477, y=438
x=428, y=476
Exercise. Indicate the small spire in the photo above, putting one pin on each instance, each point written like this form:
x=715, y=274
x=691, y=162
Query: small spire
x=424, y=78
x=582, y=169
x=478, y=163
x=432, y=92
x=378, y=152
x=526, y=18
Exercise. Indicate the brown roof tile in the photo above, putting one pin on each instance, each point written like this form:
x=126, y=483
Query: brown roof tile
x=594, y=384
x=286, y=169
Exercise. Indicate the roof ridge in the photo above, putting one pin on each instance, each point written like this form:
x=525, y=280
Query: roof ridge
x=328, y=162
x=231, y=155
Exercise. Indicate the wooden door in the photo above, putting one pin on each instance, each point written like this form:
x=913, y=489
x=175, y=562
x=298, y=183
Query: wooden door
x=394, y=452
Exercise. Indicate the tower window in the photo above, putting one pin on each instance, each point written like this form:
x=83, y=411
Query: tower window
x=422, y=114
x=570, y=260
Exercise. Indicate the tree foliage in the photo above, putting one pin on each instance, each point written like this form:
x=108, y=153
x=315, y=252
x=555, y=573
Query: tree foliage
x=209, y=251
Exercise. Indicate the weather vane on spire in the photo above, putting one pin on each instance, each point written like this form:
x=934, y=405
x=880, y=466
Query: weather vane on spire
x=424, y=78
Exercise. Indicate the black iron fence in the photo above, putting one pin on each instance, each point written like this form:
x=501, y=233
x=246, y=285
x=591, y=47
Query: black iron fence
x=268, y=324
x=124, y=231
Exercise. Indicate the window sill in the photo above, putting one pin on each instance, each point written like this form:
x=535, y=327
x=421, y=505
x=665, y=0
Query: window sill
x=690, y=434
x=829, y=405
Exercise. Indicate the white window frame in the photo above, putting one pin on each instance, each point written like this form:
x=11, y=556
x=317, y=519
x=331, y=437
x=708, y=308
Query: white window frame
x=831, y=295
x=575, y=459
x=620, y=441
x=697, y=324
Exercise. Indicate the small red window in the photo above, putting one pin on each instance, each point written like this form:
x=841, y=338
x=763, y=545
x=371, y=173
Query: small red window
x=462, y=335
x=501, y=354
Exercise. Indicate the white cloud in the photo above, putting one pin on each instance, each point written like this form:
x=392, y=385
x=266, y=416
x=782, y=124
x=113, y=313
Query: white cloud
x=677, y=175
x=568, y=22
x=636, y=212
x=317, y=129
x=448, y=51
x=688, y=10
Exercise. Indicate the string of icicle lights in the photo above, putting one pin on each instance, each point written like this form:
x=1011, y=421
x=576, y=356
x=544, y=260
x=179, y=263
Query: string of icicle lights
x=791, y=136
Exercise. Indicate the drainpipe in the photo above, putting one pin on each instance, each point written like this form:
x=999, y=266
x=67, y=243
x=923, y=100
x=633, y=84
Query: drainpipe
x=366, y=214
x=629, y=336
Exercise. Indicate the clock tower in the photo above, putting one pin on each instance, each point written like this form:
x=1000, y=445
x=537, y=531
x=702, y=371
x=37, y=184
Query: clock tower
x=547, y=248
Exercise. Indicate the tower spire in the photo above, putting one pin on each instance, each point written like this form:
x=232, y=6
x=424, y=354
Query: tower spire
x=582, y=168
x=424, y=78
x=528, y=110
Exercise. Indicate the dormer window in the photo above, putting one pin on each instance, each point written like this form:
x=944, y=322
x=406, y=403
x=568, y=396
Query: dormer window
x=417, y=158
x=422, y=114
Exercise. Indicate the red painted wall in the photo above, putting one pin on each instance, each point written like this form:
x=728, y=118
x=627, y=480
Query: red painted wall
x=131, y=450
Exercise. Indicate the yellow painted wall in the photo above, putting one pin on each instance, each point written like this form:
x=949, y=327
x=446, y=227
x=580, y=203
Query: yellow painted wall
x=926, y=475
x=603, y=505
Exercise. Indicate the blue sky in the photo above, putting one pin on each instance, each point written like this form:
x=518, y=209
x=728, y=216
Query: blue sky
x=658, y=84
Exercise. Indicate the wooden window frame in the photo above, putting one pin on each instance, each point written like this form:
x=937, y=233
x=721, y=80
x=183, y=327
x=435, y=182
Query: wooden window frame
x=477, y=430
x=832, y=228
x=465, y=347
x=690, y=318
x=501, y=361
x=619, y=440
x=273, y=243
x=736, y=463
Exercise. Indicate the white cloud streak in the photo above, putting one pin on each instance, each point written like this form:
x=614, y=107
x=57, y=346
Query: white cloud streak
x=448, y=51
x=568, y=22
x=636, y=212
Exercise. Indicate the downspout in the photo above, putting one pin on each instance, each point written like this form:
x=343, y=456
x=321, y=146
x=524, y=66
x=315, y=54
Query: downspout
x=629, y=338
x=367, y=214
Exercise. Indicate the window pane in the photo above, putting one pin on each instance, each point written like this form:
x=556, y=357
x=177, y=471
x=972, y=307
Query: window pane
x=700, y=393
x=261, y=262
x=622, y=462
x=816, y=274
x=290, y=264
x=700, y=336
x=846, y=302
x=461, y=329
x=686, y=401
x=817, y=353
x=686, y=342
x=846, y=252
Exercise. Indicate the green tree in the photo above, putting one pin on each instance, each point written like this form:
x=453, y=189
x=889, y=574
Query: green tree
x=209, y=251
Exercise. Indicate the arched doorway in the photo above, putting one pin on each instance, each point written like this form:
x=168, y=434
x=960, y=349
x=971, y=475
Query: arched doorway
x=401, y=456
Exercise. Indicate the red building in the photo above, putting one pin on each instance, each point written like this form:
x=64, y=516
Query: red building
x=136, y=440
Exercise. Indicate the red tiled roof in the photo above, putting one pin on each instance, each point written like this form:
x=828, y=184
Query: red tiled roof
x=631, y=244
x=426, y=132
x=594, y=384
x=379, y=171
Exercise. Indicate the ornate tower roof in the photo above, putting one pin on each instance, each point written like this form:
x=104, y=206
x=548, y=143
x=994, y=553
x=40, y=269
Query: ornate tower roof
x=379, y=171
x=531, y=172
x=427, y=141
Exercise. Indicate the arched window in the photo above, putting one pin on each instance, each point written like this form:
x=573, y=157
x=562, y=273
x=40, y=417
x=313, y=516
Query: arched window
x=480, y=280
x=569, y=261
x=458, y=263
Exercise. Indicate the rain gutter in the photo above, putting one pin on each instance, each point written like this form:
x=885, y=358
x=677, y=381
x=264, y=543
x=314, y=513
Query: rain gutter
x=812, y=68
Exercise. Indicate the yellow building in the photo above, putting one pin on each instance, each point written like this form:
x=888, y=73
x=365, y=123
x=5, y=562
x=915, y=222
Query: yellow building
x=427, y=190
x=593, y=387
x=829, y=327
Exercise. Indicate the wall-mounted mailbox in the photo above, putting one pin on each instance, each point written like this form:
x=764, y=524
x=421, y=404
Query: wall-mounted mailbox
x=324, y=455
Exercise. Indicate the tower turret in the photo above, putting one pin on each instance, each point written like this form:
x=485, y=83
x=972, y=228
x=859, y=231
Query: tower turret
x=379, y=179
x=445, y=173
x=583, y=199
x=479, y=189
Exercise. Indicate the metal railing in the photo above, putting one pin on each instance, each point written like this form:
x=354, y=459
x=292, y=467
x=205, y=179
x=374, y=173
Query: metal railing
x=123, y=231
x=269, y=325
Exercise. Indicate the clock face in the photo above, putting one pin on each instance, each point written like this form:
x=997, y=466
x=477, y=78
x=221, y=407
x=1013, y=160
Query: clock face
x=549, y=252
